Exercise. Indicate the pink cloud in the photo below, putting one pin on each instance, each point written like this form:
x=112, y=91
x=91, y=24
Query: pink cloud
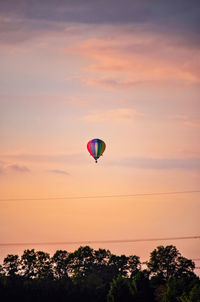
x=192, y=123
x=132, y=58
x=113, y=83
x=114, y=115
x=187, y=121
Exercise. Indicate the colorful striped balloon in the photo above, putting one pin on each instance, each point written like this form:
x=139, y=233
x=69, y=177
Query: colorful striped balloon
x=96, y=148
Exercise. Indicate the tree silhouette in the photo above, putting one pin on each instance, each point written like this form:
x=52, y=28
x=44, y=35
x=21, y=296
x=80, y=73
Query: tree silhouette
x=43, y=266
x=81, y=262
x=60, y=264
x=28, y=263
x=11, y=265
x=167, y=262
x=98, y=275
x=133, y=265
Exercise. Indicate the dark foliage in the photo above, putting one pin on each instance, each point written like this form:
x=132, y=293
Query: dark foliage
x=98, y=275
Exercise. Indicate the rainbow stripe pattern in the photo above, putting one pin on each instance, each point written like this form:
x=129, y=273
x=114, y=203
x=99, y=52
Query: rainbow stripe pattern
x=96, y=148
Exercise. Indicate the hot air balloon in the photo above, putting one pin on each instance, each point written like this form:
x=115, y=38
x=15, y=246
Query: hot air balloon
x=96, y=148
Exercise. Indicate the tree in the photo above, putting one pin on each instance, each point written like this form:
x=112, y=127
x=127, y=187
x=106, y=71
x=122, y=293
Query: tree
x=126, y=266
x=193, y=296
x=81, y=262
x=102, y=266
x=11, y=265
x=2, y=273
x=119, y=264
x=96, y=275
x=120, y=290
x=167, y=262
x=102, y=257
x=133, y=265
x=60, y=263
x=195, y=293
x=141, y=285
x=28, y=263
x=181, y=289
x=43, y=266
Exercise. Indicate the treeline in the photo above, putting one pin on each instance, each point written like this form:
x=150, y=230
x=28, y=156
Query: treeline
x=98, y=275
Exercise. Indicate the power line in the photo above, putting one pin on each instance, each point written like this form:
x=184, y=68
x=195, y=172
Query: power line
x=193, y=259
x=100, y=241
x=100, y=196
x=196, y=267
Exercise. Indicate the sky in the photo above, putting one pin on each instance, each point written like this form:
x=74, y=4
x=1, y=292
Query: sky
x=127, y=72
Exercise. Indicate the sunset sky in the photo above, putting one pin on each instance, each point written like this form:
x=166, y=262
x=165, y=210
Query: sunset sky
x=127, y=72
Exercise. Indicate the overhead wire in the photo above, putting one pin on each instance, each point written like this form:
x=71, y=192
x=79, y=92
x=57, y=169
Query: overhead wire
x=99, y=241
x=105, y=241
x=100, y=196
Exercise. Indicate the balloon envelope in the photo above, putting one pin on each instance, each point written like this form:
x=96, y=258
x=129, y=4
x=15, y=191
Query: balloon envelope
x=96, y=148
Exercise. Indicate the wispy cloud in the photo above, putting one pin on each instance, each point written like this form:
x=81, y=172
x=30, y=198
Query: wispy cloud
x=115, y=115
x=192, y=123
x=43, y=158
x=112, y=83
x=187, y=121
x=137, y=57
x=57, y=171
x=9, y=168
x=159, y=163
x=18, y=168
